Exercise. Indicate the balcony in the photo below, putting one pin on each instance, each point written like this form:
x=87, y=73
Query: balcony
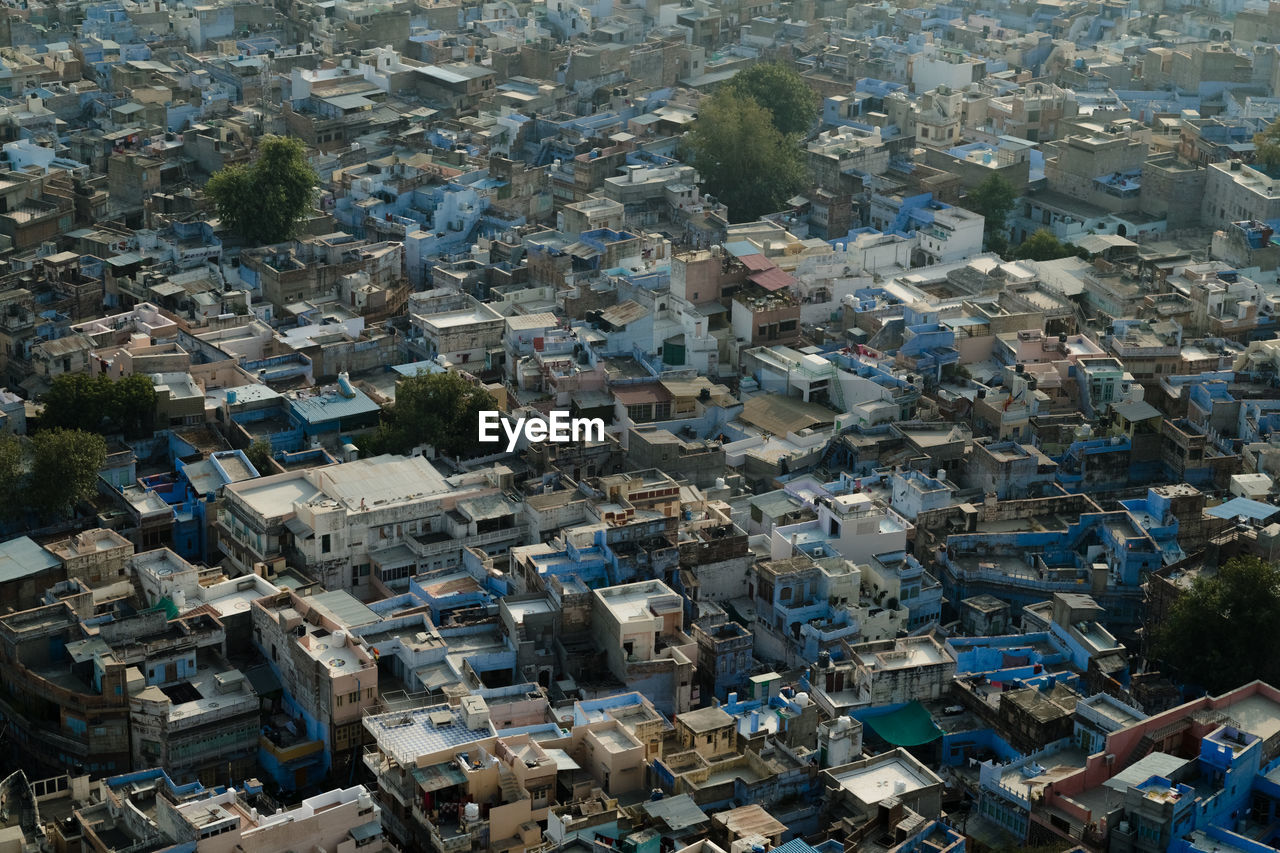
x=430, y=546
x=451, y=836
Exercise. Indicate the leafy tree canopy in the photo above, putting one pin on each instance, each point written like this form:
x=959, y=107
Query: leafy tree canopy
x=742, y=158
x=64, y=469
x=1212, y=631
x=994, y=199
x=1267, y=145
x=1044, y=246
x=259, y=455
x=439, y=409
x=265, y=200
x=13, y=470
x=101, y=404
x=792, y=105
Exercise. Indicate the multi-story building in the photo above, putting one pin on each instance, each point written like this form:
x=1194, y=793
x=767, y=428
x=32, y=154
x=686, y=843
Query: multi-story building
x=64, y=709
x=329, y=677
x=334, y=522
x=639, y=629
x=1235, y=191
x=891, y=672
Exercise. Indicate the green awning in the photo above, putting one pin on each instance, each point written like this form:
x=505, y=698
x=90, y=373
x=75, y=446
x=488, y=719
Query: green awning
x=910, y=725
x=166, y=604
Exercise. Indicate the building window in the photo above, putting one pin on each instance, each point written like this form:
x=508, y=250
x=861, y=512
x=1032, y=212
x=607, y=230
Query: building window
x=325, y=544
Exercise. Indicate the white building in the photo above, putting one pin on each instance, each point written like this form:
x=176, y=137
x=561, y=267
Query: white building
x=893, y=672
x=340, y=820
x=941, y=66
x=340, y=520
x=853, y=526
x=956, y=234
x=462, y=337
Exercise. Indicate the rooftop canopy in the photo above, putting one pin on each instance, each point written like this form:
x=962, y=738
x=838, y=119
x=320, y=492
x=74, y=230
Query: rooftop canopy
x=910, y=725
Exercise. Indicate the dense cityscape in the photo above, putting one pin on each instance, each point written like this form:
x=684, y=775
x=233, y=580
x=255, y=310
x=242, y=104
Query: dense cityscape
x=604, y=426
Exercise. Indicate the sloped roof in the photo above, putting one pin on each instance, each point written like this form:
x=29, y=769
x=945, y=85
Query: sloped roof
x=782, y=415
x=910, y=725
x=773, y=279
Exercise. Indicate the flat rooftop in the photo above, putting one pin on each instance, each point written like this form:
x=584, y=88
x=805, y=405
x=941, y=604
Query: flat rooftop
x=614, y=739
x=456, y=319
x=632, y=601
x=272, y=497
x=1257, y=715
x=904, y=654
x=407, y=735
x=893, y=776
x=369, y=484
x=531, y=607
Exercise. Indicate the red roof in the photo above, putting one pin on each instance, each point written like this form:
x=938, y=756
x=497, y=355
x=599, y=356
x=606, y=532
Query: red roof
x=772, y=279
x=757, y=263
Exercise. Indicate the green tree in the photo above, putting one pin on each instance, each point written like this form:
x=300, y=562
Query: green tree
x=13, y=475
x=1044, y=246
x=259, y=454
x=439, y=409
x=1211, y=633
x=132, y=404
x=264, y=201
x=101, y=404
x=73, y=400
x=994, y=199
x=743, y=160
x=780, y=90
x=64, y=468
x=1267, y=145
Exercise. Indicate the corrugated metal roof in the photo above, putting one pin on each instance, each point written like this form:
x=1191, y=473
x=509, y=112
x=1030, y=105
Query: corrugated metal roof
x=635, y=395
x=782, y=415
x=22, y=557
x=1156, y=764
x=1237, y=507
x=344, y=608
x=677, y=812
x=328, y=407
x=773, y=279
x=624, y=313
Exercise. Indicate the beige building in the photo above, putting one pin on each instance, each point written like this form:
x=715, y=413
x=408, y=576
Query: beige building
x=708, y=731
x=446, y=775
x=340, y=820
x=890, y=672
x=330, y=675
x=639, y=628
x=1234, y=192
x=96, y=556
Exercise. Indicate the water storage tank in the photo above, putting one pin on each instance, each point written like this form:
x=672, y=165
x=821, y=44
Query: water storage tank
x=472, y=812
x=339, y=638
x=231, y=398
x=802, y=699
x=344, y=386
